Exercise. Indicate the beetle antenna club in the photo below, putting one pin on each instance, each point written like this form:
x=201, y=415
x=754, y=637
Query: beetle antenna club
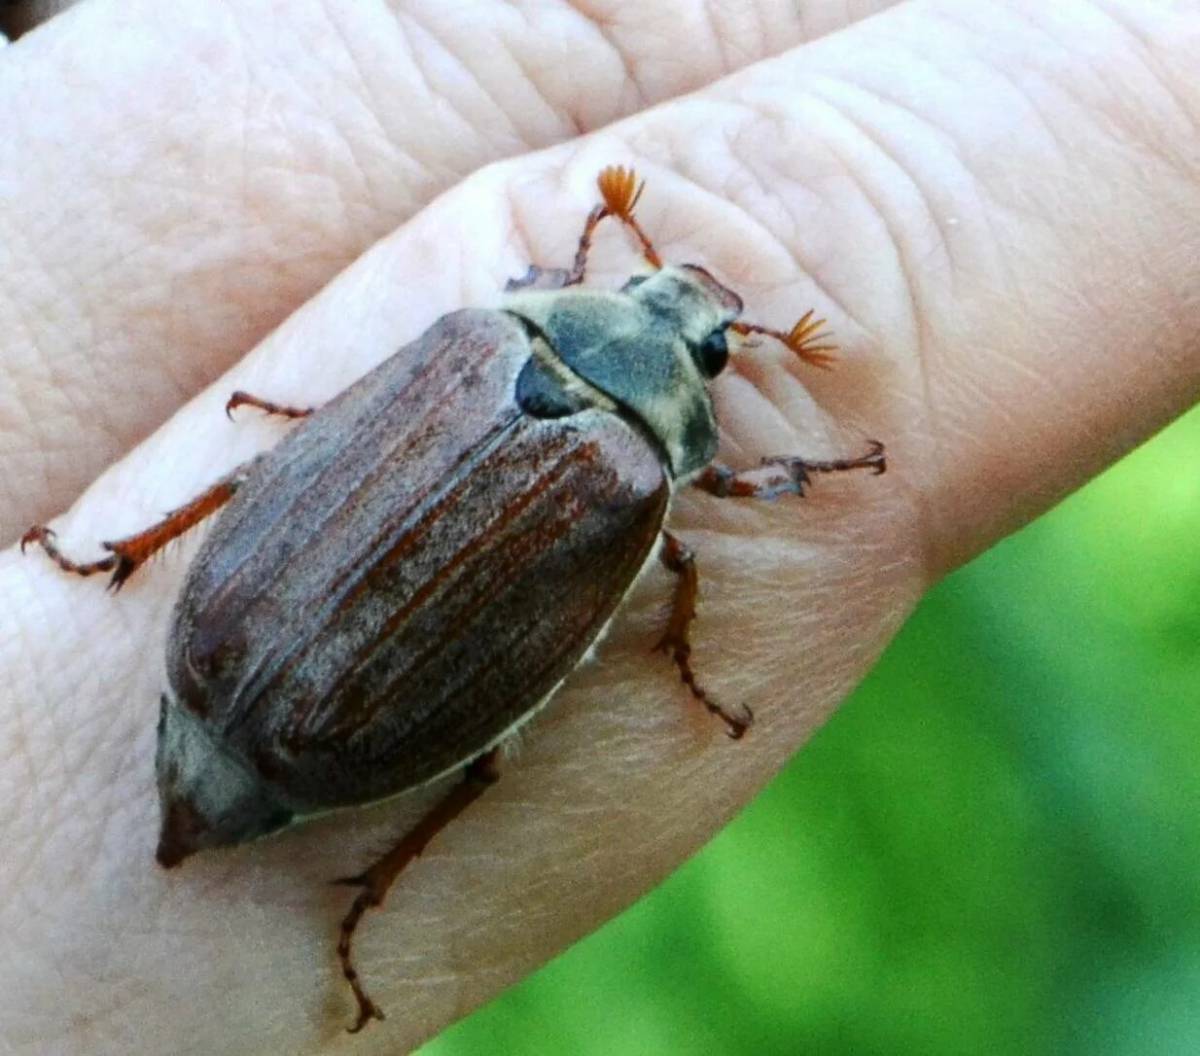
x=620, y=190
x=806, y=339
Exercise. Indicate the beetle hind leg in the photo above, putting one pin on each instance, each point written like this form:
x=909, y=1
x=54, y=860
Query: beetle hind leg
x=679, y=558
x=379, y=877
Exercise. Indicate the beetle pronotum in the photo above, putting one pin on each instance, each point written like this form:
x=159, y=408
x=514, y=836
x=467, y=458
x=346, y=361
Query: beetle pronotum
x=409, y=575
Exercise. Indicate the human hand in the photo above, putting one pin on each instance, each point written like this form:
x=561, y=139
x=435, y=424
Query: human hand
x=1050, y=201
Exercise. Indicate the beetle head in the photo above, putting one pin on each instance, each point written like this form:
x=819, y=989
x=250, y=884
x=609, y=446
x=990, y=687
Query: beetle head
x=208, y=798
x=700, y=309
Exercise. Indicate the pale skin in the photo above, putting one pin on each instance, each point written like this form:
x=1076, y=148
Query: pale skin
x=997, y=210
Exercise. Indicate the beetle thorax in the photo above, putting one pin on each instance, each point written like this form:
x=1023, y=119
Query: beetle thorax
x=635, y=346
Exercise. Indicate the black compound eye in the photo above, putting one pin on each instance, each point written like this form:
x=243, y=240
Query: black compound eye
x=712, y=354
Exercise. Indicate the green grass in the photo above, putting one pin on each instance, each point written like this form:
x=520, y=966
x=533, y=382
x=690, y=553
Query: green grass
x=992, y=848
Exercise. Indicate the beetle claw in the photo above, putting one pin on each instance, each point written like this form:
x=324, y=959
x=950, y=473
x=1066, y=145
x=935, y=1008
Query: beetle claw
x=367, y=1011
x=38, y=534
x=736, y=727
x=539, y=278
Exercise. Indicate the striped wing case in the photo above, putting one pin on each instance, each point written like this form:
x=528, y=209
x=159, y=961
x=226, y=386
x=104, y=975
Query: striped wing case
x=413, y=571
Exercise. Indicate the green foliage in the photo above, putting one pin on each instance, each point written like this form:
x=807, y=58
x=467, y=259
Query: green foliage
x=993, y=847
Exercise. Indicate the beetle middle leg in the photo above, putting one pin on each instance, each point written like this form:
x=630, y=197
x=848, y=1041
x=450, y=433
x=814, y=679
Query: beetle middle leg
x=127, y=555
x=678, y=558
x=379, y=877
x=245, y=399
x=782, y=475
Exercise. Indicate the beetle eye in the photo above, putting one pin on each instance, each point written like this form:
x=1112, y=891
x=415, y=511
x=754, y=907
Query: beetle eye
x=712, y=354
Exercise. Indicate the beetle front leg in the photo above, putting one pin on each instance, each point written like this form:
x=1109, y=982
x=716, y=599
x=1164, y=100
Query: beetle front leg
x=539, y=278
x=620, y=190
x=782, y=475
x=678, y=558
x=127, y=555
x=245, y=399
x=375, y=881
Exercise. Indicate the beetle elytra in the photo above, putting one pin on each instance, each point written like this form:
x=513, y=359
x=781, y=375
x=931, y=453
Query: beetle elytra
x=412, y=571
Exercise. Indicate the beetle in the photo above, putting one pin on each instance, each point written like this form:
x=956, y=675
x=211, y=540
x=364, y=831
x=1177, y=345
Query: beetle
x=409, y=575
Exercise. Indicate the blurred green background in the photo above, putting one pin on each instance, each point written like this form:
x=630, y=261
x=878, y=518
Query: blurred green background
x=992, y=848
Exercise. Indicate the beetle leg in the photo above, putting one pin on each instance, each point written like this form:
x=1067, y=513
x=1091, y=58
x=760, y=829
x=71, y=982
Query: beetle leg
x=245, y=399
x=782, y=475
x=620, y=190
x=128, y=554
x=680, y=559
x=539, y=278
x=379, y=877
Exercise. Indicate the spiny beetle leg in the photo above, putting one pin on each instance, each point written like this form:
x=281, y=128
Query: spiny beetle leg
x=575, y=275
x=127, y=555
x=679, y=559
x=782, y=475
x=378, y=878
x=245, y=399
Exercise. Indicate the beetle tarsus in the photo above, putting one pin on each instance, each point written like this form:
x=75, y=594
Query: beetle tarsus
x=367, y=1009
x=782, y=475
x=44, y=537
x=539, y=278
x=679, y=559
x=379, y=877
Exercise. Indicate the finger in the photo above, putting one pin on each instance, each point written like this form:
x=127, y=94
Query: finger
x=615, y=785
x=169, y=199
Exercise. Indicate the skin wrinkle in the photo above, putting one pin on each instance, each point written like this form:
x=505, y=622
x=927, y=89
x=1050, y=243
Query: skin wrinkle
x=754, y=167
x=918, y=341
x=1019, y=89
x=1107, y=107
x=1136, y=126
x=370, y=98
x=717, y=38
x=485, y=94
x=882, y=137
x=1154, y=66
x=607, y=35
x=917, y=336
x=937, y=429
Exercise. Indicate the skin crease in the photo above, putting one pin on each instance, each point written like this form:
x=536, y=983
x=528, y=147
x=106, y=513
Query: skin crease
x=998, y=210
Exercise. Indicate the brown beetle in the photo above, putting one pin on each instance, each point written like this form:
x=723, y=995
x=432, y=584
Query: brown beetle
x=411, y=573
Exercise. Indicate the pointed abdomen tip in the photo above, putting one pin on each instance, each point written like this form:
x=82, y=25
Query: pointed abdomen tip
x=183, y=829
